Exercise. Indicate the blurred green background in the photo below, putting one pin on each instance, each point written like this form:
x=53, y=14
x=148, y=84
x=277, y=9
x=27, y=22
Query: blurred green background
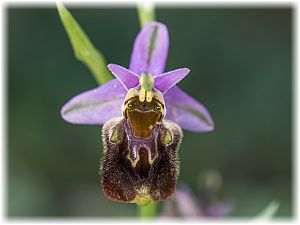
x=241, y=70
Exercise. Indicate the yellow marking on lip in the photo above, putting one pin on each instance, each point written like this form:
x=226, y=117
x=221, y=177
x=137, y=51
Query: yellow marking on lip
x=168, y=138
x=134, y=162
x=115, y=137
x=151, y=161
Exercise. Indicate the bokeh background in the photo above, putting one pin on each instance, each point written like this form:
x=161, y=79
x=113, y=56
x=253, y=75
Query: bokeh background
x=241, y=70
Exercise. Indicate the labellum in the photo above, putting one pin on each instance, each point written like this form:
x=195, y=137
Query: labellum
x=140, y=162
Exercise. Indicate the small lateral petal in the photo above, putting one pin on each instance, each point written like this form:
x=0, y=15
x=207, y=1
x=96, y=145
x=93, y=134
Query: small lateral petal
x=150, y=49
x=95, y=106
x=168, y=80
x=188, y=113
x=125, y=76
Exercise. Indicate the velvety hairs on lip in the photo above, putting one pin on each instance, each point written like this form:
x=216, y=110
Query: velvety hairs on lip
x=143, y=112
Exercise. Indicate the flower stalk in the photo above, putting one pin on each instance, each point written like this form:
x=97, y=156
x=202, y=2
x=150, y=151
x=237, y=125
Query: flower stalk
x=147, y=212
x=146, y=13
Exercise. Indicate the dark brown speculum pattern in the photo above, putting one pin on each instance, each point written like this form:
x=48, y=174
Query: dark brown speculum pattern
x=140, y=154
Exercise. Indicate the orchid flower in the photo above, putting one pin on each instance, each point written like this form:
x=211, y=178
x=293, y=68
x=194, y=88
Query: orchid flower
x=142, y=111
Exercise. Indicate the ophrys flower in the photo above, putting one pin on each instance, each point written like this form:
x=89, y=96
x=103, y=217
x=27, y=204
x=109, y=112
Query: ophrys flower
x=142, y=112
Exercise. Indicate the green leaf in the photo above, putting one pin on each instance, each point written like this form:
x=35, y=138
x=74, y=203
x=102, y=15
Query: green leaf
x=146, y=13
x=83, y=47
x=269, y=212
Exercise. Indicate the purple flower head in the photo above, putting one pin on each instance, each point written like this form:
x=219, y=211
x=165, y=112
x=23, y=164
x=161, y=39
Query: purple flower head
x=142, y=111
x=149, y=55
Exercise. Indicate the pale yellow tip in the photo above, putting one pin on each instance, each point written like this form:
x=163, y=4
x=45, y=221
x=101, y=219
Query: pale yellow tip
x=149, y=96
x=142, y=200
x=142, y=95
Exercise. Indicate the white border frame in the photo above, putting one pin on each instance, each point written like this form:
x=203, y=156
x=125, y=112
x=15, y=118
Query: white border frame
x=176, y=3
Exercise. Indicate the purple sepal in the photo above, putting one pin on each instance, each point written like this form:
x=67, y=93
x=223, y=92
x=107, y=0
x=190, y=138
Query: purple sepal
x=188, y=113
x=150, y=49
x=95, y=106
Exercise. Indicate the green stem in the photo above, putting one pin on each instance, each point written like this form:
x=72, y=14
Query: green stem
x=147, y=212
x=146, y=14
